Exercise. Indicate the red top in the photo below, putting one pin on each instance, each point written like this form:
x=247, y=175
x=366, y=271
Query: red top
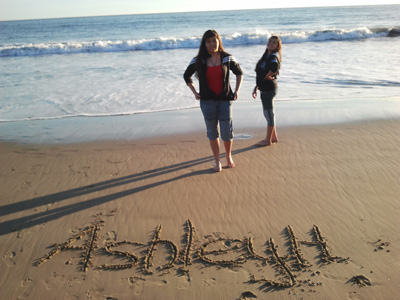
x=214, y=79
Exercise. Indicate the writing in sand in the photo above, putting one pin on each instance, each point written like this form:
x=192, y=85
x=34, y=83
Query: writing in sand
x=220, y=251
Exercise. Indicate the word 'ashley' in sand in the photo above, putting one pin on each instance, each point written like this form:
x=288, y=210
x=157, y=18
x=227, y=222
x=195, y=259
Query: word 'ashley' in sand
x=208, y=252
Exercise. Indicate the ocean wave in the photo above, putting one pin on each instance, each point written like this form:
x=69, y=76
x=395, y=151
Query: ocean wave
x=237, y=39
x=96, y=115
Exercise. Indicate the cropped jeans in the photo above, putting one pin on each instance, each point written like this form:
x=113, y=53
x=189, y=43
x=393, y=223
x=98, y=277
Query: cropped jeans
x=218, y=118
x=267, y=99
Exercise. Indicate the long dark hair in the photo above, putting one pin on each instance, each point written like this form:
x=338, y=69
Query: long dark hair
x=203, y=53
x=279, y=50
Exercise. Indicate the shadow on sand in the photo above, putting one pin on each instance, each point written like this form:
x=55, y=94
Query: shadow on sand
x=52, y=214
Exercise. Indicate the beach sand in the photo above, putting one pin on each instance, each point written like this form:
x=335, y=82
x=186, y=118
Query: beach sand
x=315, y=216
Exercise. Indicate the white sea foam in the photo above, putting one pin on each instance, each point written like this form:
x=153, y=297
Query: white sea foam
x=128, y=83
x=173, y=43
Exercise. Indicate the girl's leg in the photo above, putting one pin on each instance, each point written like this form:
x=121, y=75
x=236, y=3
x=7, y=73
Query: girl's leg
x=269, y=114
x=271, y=135
x=209, y=110
x=225, y=122
x=268, y=137
x=215, y=149
x=274, y=137
x=228, y=151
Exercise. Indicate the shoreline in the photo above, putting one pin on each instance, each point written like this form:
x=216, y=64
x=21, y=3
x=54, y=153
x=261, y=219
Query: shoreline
x=340, y=180
x=246, y=117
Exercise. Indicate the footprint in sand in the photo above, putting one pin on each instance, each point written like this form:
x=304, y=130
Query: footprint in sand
x=111, y=236
x=10, y=255
x=53, y=281
x=210, y=281
x=184, y=283
x=75, y=230
x=94, y=293
x=8, y=259
x=74, y=281
x=135, y=283
x=26, y=288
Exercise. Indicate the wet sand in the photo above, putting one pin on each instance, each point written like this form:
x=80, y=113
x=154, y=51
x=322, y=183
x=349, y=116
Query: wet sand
x=315, y=216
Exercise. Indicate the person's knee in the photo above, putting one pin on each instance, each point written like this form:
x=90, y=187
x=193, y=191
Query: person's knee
x=212, y=129
x=212, y=134
x=226, y=130
x=269, y=116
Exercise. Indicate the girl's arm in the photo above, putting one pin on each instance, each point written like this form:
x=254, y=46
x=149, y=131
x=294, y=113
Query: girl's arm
x=193, y=89
x=269, y=76
x=254, y=93
x=239, y=79
x=190, y=70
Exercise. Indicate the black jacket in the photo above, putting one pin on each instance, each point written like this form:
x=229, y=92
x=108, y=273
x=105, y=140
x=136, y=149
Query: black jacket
x=228, y=64
x=267, y=63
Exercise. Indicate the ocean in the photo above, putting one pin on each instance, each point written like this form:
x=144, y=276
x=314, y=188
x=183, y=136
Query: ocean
x=90, y=78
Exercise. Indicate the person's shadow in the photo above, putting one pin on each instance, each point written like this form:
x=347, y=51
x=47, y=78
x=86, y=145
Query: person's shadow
x=52, y=214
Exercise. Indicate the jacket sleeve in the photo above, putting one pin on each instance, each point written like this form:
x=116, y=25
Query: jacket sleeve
x=190, y=70
x=274, y=64
x=234, y=66
x=261, y=72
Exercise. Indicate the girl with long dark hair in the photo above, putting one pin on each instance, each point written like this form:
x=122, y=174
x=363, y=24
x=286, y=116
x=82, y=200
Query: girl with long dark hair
x=212, y=67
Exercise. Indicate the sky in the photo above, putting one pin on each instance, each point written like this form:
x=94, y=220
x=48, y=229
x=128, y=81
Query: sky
x=45, y=9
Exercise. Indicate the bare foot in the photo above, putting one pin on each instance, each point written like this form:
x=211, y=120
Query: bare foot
x=275, y=141
x=217, y=166
x=230, y=163
x=263, y=143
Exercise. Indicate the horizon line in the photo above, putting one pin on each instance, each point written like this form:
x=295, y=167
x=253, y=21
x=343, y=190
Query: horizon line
x=194, y=11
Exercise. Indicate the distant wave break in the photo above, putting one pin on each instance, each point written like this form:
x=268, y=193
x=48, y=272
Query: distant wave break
x=237, y=39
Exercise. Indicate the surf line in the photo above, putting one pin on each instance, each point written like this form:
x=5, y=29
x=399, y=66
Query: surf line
x=209, y=252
